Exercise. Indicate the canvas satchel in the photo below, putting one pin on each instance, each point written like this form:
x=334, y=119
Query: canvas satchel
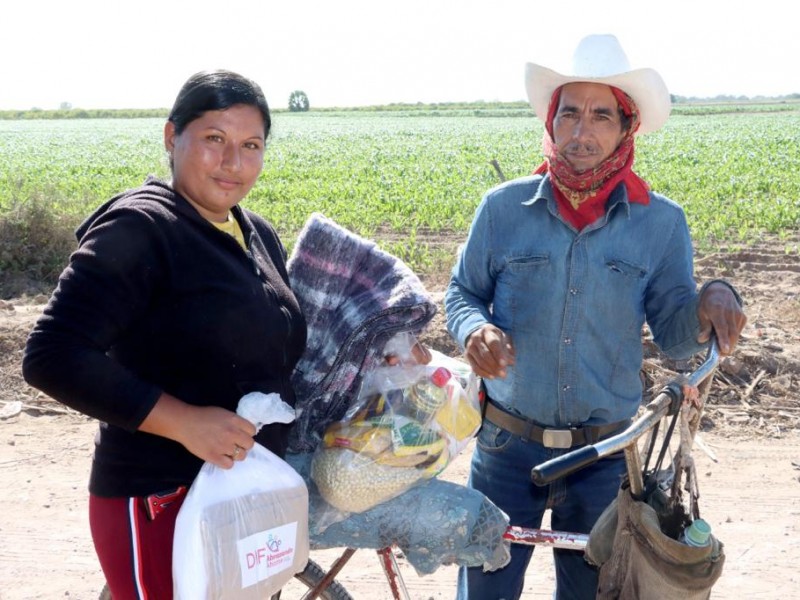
x=644, y=563
x=635, y=540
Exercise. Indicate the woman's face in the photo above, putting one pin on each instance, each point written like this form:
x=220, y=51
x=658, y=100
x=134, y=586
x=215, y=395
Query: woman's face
x=217, y=158
x=587, y=127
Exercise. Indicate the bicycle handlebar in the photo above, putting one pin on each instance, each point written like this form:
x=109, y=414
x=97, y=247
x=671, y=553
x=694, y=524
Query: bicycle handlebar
x=563, y=465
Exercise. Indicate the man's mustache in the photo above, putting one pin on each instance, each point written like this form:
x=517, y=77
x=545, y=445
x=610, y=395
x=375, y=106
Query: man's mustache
x=580, y=148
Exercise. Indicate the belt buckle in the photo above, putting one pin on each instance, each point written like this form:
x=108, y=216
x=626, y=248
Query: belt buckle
x=557, y=438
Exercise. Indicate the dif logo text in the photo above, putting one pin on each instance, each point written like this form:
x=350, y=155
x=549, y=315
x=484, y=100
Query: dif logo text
x=266, y=553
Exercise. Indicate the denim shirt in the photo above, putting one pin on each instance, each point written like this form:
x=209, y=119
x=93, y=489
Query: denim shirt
x=574, y=303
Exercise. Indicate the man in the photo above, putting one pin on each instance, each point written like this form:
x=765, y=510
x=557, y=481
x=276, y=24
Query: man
x=558, y=275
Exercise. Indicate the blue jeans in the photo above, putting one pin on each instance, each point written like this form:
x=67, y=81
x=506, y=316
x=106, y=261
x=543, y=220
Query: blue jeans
x=501, y=467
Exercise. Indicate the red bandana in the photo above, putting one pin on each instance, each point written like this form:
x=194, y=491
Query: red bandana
x=581, y=197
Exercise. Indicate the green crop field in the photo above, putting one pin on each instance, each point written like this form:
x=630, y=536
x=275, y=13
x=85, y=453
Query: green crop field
x=411, y=179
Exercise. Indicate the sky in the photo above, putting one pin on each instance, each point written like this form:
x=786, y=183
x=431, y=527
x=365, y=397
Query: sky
x=123, y=54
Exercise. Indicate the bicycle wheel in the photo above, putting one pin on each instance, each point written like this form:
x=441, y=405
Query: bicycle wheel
x=305, y=580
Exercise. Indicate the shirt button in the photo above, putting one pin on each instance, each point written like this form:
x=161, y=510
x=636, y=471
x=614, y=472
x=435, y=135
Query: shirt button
x=573, y=291
x=566, y=388
x=567, y=341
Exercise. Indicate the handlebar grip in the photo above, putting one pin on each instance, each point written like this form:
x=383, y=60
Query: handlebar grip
x=558, y=467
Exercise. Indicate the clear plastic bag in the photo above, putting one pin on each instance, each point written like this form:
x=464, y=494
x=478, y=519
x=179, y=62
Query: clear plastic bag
x=242, y=532
x=406, y=426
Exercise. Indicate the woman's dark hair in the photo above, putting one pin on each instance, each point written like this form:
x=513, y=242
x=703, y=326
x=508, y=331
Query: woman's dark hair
x=216, y=90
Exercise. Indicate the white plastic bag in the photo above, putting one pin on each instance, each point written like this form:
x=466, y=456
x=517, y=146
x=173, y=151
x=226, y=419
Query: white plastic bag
x=242, y=532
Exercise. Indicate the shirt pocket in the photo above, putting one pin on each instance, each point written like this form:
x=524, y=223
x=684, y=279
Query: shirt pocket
x=620, y=302
x=524, y=292
x=626, y=269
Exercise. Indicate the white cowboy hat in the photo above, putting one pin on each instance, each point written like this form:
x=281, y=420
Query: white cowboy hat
x=601, y=59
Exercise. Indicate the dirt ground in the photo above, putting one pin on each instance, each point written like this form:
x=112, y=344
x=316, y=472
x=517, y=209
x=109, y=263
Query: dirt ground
x=749, y=474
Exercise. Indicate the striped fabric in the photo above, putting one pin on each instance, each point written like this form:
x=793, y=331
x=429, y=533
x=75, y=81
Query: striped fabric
x=355, y=297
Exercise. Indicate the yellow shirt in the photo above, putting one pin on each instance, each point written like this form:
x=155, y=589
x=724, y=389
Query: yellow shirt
x=232, y=228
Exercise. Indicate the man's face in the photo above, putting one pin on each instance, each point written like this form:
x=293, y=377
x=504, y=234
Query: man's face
x=587, y=127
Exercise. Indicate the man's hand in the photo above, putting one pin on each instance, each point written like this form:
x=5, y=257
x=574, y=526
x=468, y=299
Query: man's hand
x=489, y=351
x=719, y=311
x=419, y=355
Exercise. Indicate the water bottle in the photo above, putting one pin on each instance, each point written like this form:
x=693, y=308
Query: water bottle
x=698, y=534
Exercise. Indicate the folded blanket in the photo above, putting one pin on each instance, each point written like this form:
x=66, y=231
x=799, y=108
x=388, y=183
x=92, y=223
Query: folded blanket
x=355, y=297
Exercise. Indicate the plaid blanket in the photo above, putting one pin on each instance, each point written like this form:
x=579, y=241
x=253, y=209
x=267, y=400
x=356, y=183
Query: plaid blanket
x=355, y=297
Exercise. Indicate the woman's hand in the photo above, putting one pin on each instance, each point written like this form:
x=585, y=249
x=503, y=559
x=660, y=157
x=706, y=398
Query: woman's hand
x=211, y=433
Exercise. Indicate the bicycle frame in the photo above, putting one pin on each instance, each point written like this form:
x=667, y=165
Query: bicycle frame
x=390, y=569
x=666, y=403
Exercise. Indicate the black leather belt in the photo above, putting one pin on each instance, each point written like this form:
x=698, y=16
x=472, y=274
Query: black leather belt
x=550, y=437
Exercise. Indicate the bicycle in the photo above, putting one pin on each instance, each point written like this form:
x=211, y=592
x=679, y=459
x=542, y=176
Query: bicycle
x=315, y=582
x=666, y=403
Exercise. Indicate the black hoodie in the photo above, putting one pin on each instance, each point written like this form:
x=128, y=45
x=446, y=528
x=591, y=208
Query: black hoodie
x=156, y=299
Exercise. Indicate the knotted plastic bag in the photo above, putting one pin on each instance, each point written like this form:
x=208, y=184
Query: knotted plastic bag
x=242, y=533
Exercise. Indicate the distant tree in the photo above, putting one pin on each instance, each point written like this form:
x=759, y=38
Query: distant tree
x=298, y=101
x=65, y=106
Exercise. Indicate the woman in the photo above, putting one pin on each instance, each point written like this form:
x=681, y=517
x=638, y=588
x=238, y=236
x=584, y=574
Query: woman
x=174, y=306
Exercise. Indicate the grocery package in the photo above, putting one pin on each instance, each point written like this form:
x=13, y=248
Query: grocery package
x=242, y=532
x=409, y=422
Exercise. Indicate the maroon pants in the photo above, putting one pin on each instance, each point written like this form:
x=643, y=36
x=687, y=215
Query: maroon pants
x=133, y=540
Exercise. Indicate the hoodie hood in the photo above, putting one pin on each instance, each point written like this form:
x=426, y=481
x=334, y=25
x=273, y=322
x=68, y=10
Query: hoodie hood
x=152, y=190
